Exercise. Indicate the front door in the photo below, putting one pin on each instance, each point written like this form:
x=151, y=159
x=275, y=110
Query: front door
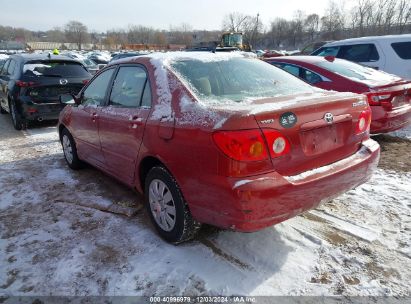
x=86, y=118
x=122, y=122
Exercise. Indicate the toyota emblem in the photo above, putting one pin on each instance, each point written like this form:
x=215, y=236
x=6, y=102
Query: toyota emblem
x=328, y=117
x=63, y=81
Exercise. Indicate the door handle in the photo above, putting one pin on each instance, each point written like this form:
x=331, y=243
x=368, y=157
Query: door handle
x=94, y=116
x=135, y=121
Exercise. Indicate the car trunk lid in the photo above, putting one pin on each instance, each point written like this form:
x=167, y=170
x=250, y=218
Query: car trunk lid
x=321, y=129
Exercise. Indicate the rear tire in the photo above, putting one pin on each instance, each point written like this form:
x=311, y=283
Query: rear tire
x=70, y=150
x=167, y=207
x=19, y=123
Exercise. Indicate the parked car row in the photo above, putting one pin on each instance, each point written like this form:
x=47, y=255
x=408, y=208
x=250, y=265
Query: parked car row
x=219, y=138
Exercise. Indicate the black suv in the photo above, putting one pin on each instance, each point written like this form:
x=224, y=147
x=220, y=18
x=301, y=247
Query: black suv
x=31, y=84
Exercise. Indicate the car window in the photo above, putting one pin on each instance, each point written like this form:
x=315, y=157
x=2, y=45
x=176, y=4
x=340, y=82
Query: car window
x=327, y=51
x=2, y=62
x=95, y=92
x=359, y=52
x=5, y=66
x=128, y=87
x=146, y=100
x=291, y=69
x=11, y=68
x=310, y=76
x=403, y=49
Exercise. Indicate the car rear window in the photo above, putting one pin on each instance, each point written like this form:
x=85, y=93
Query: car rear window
x=403, y=49
x=346, y=68
x=359, y=52
x=48, y=68
x=237, y=79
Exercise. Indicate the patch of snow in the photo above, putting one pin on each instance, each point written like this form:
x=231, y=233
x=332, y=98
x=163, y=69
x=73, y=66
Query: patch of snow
x=60, y=176
x=247, y=181
x=402, y=133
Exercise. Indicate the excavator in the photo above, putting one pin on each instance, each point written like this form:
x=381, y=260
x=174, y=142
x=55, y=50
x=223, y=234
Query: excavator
x=230, y=41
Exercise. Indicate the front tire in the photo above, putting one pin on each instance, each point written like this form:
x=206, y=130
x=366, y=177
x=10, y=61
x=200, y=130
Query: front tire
x=167, y=207
x=70, y=150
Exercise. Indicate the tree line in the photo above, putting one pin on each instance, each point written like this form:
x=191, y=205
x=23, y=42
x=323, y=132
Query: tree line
x=367, y=17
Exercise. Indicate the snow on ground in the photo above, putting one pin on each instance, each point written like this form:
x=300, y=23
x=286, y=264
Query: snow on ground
x=53, y=241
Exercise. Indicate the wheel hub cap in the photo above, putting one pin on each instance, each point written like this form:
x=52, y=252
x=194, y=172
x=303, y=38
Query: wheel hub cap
x=162, y=205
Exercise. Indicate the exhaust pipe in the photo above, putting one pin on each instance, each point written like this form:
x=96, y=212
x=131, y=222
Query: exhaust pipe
x=40, y=119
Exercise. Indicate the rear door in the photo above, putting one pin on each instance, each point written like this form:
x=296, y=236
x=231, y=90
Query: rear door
x=122, y=122
x=85, y=118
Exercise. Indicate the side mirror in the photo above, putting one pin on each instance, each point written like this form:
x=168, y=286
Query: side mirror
x=68, y=99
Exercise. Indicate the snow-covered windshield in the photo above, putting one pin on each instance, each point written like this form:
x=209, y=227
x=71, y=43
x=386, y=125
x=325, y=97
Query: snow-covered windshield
x=237, y=79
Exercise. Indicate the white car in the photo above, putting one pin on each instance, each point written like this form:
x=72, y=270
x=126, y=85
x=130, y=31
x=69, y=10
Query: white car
x=391, y=53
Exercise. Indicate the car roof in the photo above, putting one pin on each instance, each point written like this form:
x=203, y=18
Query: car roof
x=31, y=57
x=370, y=38
x=160, y=57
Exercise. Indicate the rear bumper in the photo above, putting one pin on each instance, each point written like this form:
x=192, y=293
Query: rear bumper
x=35, y=111
x=264, y=200
x=387, y=121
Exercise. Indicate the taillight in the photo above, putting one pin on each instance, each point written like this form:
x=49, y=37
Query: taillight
x=278, y=144
x=25, y=84
x=364, y=121
x=244, y=145
x=377, y=99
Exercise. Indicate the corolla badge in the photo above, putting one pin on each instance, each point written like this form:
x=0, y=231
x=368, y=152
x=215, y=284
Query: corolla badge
x=328, y=117
x=63, y=81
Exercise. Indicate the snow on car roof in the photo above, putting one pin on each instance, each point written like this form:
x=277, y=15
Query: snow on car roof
x=369, y=38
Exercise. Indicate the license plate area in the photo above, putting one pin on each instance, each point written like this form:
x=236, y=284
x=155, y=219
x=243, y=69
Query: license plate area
x=324, y=139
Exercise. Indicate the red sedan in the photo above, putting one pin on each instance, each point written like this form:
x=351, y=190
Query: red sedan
x=389, y=96
x=218, y=138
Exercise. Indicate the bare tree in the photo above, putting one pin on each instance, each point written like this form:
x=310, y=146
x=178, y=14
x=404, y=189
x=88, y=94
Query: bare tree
x=235, y=22
x=332, y=21
x=311, y=25
x=76, y=32
x=278, y=32
x=403, y=14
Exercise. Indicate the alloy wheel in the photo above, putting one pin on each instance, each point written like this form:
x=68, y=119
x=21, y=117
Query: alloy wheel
x=162, y=205
x=68, y=150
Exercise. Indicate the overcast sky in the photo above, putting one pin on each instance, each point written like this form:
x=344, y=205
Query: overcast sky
x=101, y=15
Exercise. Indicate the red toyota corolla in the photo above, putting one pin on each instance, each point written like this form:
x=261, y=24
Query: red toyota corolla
x=221, y=139
x=388, y=95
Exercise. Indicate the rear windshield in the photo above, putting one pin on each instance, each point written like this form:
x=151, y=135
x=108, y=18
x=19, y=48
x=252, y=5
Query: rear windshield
x=46, y=68
x=237, y=79
x=403, y=49
x=355, y=71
